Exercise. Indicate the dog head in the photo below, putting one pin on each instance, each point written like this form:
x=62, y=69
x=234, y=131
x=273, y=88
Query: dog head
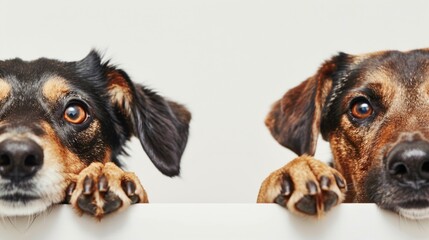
x=373, y=109
x=58, y=117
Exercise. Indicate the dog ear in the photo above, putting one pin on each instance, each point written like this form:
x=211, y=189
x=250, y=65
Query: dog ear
x=294, y=121
x=161, y=125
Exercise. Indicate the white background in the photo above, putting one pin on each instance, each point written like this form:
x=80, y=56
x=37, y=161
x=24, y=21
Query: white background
x=227, y=60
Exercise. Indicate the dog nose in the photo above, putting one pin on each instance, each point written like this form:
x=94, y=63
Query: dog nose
x=408, y=162
x=20, y=159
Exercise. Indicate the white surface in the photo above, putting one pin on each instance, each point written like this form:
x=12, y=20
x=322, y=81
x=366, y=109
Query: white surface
x=219, y=221
x=227, y=60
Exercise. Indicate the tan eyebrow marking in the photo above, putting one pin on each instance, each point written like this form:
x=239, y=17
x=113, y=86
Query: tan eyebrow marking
x=5, y=89
x=55, y=88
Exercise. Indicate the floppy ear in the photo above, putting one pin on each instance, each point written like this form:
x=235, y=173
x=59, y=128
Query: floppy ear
x=161, y=125
x=294, y=121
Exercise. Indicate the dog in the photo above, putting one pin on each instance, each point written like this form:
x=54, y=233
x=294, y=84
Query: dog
x=63, y=126
x=373, y=111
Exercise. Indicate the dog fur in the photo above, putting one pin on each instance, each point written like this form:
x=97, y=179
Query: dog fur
x=373, y=110
x=63, y=126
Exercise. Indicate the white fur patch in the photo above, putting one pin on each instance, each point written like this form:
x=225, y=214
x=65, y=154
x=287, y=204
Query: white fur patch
x=48, y=188
x=414, y=213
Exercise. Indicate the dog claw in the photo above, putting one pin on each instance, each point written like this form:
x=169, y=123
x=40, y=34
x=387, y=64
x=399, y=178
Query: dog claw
x=88, y=184
x=312, y=188
x=129, y=188
x=340, y=181
x=102, y=184
x=325, y=182
x=287, y=187
x=71, y=188
x=69, y=192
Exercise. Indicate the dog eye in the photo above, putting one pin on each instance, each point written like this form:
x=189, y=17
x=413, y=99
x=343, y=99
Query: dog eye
x=75, y=114
x=361, y=109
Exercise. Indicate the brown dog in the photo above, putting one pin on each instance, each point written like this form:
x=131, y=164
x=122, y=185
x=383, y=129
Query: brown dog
x=373, y=110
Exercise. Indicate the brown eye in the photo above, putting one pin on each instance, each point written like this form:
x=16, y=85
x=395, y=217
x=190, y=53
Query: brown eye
x=75, y=114
x=361, y=109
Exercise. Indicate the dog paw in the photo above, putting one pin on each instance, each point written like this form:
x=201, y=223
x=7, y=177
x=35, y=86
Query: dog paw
x=305, y=186
x=101, y=189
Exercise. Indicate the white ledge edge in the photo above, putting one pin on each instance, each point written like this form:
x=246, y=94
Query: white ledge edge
x=217, y=221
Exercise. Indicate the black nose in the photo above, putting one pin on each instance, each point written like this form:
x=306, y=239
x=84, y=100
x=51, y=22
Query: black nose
x=408, y=162
x=20, y=159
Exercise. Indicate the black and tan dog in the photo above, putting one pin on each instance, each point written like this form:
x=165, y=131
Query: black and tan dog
x=63, y=126
x=374, y=111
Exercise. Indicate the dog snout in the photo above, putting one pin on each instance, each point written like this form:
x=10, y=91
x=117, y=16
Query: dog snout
x=408, y=163
x=20, y=159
